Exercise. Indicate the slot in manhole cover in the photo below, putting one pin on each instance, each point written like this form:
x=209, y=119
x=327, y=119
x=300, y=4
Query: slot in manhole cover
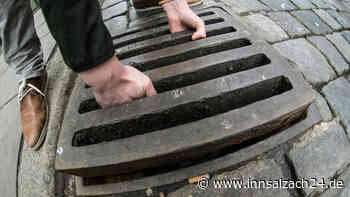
x=228, y=92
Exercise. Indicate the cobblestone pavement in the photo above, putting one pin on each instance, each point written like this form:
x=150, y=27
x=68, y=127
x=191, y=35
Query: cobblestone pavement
x=312, y=34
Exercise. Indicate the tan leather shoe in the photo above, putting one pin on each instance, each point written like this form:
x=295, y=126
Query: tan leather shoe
x=34, y=110
x=147, y=5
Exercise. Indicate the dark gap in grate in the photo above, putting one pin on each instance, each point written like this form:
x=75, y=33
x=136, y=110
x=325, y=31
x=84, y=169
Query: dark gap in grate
x=204, y=74
x=183, y=114
x=193, y=160
x=160, y=33
x=170, y=43
x=155, y=25
x=203, y=51
x=212, y=72
x=194, y=53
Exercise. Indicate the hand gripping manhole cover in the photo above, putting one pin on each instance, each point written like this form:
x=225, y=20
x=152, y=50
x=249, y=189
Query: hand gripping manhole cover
x=222, y=100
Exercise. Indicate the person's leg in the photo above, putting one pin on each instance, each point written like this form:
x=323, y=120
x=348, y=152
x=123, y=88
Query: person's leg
x=20, y=45
x=22, y=52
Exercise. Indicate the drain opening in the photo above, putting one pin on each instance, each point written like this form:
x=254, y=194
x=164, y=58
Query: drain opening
x=119, y=44
x=193, y=159
x=166, y=44
x=156, y=25
x=182, y=114
x=194, y=53
x=198, y=76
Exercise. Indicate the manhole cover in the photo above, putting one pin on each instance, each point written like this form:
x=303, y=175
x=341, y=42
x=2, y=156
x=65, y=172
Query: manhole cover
x=217, y=97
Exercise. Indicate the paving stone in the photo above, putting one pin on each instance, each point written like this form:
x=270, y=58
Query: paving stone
x=340, y=192
x=255, y=171
x=338, y=93
x=342, y=5
x=3, y=65
x=312, y=21
x=321, y=154
x=8, y=86
x=117, y=10
x=279, y=4
x=117, y=25
x=322, y=106
x=336, y=60
x=303, y=4
x=48, y=44
x=10, y=137
x=39, y=18
x=307, y=59
x=328, y=19
x=289, y=24
x=245, y=6
x=110, y=3
x=346, y=35
x=42, y=30
x=343, y=46
x=322, y=4
x=266, y=28
x=342, y=18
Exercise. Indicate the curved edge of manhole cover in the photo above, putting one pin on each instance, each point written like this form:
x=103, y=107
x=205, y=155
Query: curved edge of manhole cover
x=227, y=161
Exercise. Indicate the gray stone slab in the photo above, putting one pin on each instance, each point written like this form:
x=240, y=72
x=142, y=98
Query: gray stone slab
x=8, y=86
x=320, y=154
x=312, y=21
x=245, y=6
x=3, y=65
x=289, y=24
x=308, y=60
x=338, y=93
x=117, y=25
x=117, y=10
x=48, y=44
x=340, y=17
x=253, y=171
x=328, y=19
x=10, y=137
x=303, y=4
x=42, y=30
x=342, y=5
x=322, y=106
x=322, y=4
x=110, y=3
x=39, y=18
x=340, y=191
x=346, y=35
x=331, y=53
x=279, y=4
x=266, y=28
x=343, y=46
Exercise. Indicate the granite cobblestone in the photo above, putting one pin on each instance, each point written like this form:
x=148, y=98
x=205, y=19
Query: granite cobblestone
x=289, y=24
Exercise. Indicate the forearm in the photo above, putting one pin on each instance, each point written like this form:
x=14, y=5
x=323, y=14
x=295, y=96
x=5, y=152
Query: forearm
x=79, y=31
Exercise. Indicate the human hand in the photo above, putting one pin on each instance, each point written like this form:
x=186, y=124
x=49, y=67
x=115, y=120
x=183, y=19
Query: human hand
x=114, y=83
x=181, y=17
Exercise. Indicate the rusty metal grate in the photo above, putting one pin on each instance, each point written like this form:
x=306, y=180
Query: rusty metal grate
x=228, y=92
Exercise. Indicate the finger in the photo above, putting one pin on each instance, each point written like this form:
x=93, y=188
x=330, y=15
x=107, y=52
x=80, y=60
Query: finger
x=175, y=25
x=200, y=31
x=150, y=90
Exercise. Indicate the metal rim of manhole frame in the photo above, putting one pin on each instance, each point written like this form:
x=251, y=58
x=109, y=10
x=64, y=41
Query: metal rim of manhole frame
x=231, y=78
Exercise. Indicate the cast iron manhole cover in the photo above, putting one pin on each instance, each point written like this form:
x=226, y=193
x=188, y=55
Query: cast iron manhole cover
x=219, y=96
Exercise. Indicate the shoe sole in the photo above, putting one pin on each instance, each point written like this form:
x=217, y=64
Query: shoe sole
x=160, y=7
x=43, y=133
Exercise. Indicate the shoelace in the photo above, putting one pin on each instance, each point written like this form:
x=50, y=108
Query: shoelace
x=25, y=88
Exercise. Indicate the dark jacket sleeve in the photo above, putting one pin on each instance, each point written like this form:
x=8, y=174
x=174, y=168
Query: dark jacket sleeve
x=79, y=31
